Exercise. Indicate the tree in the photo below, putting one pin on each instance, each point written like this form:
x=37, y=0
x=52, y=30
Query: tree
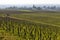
x=34, y=6
x=39, y=8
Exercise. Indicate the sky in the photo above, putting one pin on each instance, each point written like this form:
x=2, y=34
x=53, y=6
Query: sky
x=16, y=2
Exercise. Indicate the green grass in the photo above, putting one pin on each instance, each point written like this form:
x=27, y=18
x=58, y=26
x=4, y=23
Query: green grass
x=30, y=26
x=48, y=18
x=28, y=30
x=25, y=10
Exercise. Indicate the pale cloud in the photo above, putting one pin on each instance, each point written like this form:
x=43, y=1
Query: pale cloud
x=29, y=1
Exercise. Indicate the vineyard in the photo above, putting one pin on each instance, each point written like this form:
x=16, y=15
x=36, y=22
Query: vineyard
x=20, y=27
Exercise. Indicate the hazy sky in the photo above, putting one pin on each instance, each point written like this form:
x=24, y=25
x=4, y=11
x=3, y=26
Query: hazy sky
x=3, y=2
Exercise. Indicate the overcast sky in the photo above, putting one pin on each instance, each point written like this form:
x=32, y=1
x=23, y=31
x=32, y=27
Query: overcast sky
x=14, y=2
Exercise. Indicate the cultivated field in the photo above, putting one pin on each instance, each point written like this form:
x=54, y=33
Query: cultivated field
x=29, y=25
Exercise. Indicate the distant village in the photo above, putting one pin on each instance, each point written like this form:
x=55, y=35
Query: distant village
x=34, y=7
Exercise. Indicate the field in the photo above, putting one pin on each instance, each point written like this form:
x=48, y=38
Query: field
x=29, y=25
